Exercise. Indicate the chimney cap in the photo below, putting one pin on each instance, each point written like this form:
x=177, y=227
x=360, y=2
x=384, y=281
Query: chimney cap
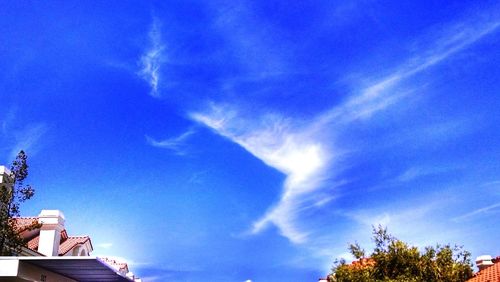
x=3, y=169
x=51, y=213
x=483, y=258
x=50, y=217
x=484, y=261
x=5, y=174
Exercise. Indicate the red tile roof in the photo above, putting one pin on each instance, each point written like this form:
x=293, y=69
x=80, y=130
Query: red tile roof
x=71, y=242
x=363, y=262
x=119, y=266
x=67, y=243
x=489, y=274
x=23, y=223
x=33, y=243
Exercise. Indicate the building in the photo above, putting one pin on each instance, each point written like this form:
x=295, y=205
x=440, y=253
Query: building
x=489, y=269
x=49, y=237
x=53, y=255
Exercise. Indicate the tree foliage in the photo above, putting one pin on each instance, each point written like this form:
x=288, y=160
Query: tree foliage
x=393, y=260
x=12, y=194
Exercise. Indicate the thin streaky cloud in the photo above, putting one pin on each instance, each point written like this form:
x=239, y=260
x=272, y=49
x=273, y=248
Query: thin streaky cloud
x=153, y=278
x=495, y=208
x=105, y=245
x=378, y=96
x=251, y=41
x=8, y=119
x=197, y=177
x=374, y=217
x=302, y=154
x=272, y=140
x=491, y=183
x=175, y=144
x=28, y=139
x=152, y=59
x=408, y=222
x=417, y=172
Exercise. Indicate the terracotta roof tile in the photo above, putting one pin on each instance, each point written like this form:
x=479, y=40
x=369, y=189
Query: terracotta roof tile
x=362, y=263
x=23, y=223
x=67, y=242
x=66, y=245
x=71, y=242
x=33, y=243
x=119, y=266
x=490, y=274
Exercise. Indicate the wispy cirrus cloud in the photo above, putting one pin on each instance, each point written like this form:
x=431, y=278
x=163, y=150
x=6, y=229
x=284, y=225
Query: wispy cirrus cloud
x=491, y=209
x=381, y=94
x=8, y=119
x=277, y=144
x=416, y=172
x=251, y=42
x=18, y=137
x=105, y=245
x=197, y=177
x=305, y=154
x=408, y=221
x=151, y=60
x=175, y=144
x=28, y=138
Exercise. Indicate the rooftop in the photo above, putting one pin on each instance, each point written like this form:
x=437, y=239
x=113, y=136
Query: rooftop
x=67, y=243
x=489, y=274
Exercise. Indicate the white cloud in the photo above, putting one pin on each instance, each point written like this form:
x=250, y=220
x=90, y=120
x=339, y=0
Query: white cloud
x=416, y=172
x=491, y=209
x=197, y=177
x=304, y=154
x=272, y=140
x=105, y=245
x=409, y=221
x=251, y=41
x=402, y=215
x=491, y=183
x=28, y=139
x=152, y=278
x=8, y=119
x=150, y=62
x=175, y=144
x=381, y=94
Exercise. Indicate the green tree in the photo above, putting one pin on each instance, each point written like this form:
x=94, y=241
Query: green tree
x=13, y=192
x=393, y=260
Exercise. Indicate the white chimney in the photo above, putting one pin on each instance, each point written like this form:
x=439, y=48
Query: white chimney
x=483, y=262
x=5, y=175
x=50, y=233
x=5, y=182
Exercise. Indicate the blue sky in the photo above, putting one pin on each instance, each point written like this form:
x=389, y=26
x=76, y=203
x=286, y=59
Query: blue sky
x=253, y=140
